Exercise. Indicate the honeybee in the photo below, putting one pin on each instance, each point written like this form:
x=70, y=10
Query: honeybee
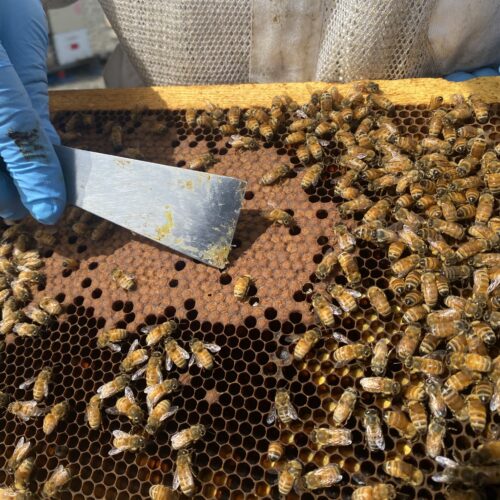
x=428, y=365
x=449, y=328
x=435, y=436
x=303, y=154
x=350, y=268
x=311, y=176
x=206, y=121
x=345, y=406
x=380, y=385
x=487, y=453
x=330, y=436
x=374, y=492
x=158, y=414
x=345, y=240
x=20, y=291
x=155, y=392
x=109, y=338
x=492, y=181
x=191, y=117
x=396, y=250
x=116, y=385
x=134, y=357
x=477, y=413
x=296, y=138
x=403, y=266
x=160, y=492
x=305, y=342
x=436, y=123
x=242, y=287
x=350, y=352
x=380, y=357
x=25, y=410
x=202, y=162
x=183, y=476
x=418, y=415
x=152, y=370
x=374, y=434
x=455, y=403
x=201, y=354
x=479, y=107
x=275, y=451
x=278, y=216
x=484, y=331
x=359, y=204
x=123, y=441
x=449, y=228
x=227, y=129
x=409, y=342
x=404, y=471
x=416, y=313
x=487, y=259
x=127, y=406
x=324, y=309
x=40, y=384
x=289, y=476
x=157, y=333
x=442, y=285
x=234, y=116
x=26, y=329
x=58, y=413
x=470, y=361
x=315, y=146
x=322, y=477
x=274, y=175
x=437, y=404
x=20, y=452
x=485, y=206
x=175, y=355
x=379, y=301
x=429, y=289
x=116, y=137
x=124, y=280
x=401, y=423
x=282, y=408
x=484, y=389
x=186, y=437
x=57, y=481
x=380, y=101
x=93, y=412
x=345, y=297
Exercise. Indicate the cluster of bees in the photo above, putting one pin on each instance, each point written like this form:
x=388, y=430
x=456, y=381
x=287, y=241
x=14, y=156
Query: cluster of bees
x=148, y=362
x=430, y=203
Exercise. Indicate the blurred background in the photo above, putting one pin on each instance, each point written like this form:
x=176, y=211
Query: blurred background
x=81, y=40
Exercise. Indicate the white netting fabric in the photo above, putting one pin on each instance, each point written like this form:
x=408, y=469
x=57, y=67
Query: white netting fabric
x=185, y=41
x=210, y=41
x=375, y=39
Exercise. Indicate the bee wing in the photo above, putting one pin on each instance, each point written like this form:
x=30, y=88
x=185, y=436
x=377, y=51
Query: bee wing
x=272, y=414
x=192, y=360
x=112, y=411
x=292, y=412
x=139, y=373
x=146, y=329
x=19, y=445
x=300, y=113
x=380, y=442
x=169, y=413
x=129, y=394
x=114, y=451
x=495, y=402
x=149, y=389
x=134, y=345
x=234, y=138
x=117, y=433
x=336, y=310
x=354, y=293
x=323, y=142
x=290, y=338
x=168, y=362
x=114, y=347
x=493, y=285
x=184, y=353
x=213, y=347
x=446, y=462
x=27, y=383
x=339, y=337
x=176, y=482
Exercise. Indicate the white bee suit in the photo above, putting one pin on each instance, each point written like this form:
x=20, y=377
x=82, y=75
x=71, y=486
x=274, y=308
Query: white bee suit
x=172, y=42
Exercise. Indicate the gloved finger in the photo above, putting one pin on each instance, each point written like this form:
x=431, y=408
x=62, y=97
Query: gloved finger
x=459, y=76
x=24, y=35
x=28, y=154
x=10, y=204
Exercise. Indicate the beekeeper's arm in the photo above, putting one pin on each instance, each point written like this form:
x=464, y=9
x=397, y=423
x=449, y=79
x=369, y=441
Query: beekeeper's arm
x=31, y=180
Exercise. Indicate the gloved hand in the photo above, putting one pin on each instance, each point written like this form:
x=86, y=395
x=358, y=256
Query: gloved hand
x=31, y=179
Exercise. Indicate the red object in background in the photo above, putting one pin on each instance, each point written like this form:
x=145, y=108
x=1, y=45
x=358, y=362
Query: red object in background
x=74, y=46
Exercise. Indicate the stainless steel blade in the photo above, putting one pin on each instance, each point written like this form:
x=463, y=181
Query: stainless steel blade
x=194, y=213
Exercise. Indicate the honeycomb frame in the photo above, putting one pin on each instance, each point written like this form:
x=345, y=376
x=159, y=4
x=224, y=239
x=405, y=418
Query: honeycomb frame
x=234, y=399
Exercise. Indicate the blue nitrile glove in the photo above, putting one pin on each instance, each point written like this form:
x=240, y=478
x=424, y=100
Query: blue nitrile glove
x=461, y=76
x=31, y=179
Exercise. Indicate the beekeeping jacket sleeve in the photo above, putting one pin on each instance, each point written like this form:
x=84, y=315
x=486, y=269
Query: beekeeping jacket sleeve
x=228, y=41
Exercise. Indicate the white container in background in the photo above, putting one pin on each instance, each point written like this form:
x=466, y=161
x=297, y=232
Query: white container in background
x=72, y=46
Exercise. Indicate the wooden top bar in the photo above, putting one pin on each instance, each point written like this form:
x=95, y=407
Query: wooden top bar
x=411, y=91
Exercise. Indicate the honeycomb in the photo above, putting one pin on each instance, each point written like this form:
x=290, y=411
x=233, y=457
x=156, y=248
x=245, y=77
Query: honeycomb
x=234, y=399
